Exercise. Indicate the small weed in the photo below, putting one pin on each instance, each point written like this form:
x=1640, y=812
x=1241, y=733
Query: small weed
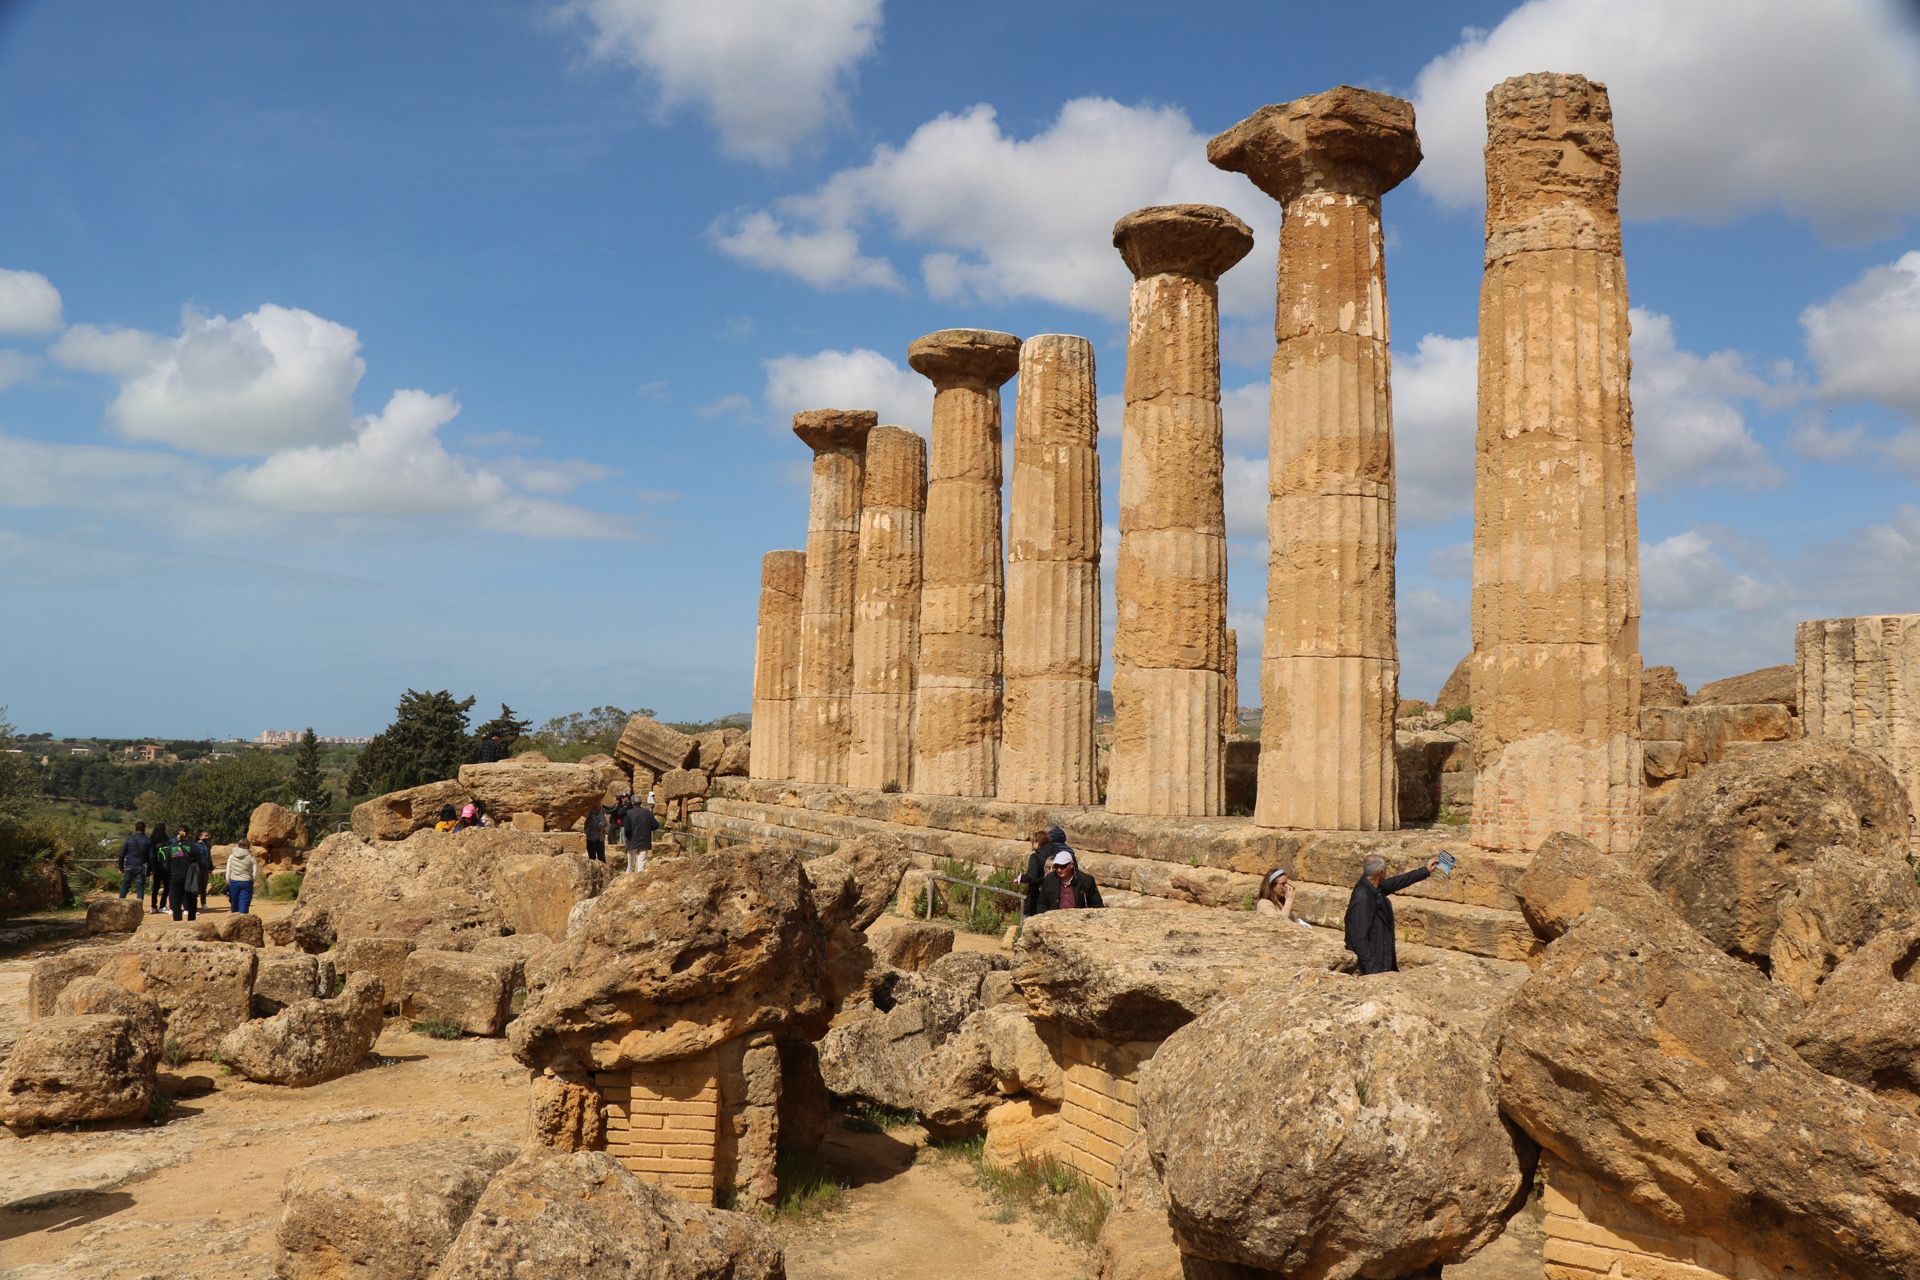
x=891, y=786
x=172, y=1052
x=1065, y=1203
x=809, y=1186
x=339, y=983
x=519, y=1003
x=285, y=887
x=870, y=1117
x=160, y=1108
x=1360, y=1086
x=1458, y=714
x=1246, y=904
x=1194, y=861
x=441, y=1027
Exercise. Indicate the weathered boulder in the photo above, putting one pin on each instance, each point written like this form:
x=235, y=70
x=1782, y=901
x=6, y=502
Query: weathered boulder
x=94, y=997
x=1661, y=687
x=1730, y=843
x=1779, y=684
x=851, y=888
x=381, y=1213
x=560, y=793
x=51, y=974
x=1864, y=1022
x=1021, y=1129
x=1836, y=906
x=1023, y=1059
x=519, y=949
x=272, y=824
x=735, y=761
x=1650, y=1061
x=968, y=969
x=115, y=915
x=916, y=944
x=475, y=991
x=613, y=780
x=245, y=929
x=399, y=814
x=565, y=1114
x=278, y=931
x=1569, y=877
x=282, y=980
x=650, y=745
x=67, y=1070
x=671, y=963
x=874, y=1048
x=714, y=745
x=954, y=1087
x=585, y=1217
x=384, y=958
x=310, y=1041
x=1142, y=975
x=681, y=784
x=1272, y=1115
x=1457, y=692
x=537, y=891
x=1463, y=991
x=204, y=988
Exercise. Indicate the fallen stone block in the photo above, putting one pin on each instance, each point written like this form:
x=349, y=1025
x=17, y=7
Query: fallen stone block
x=310, y=1041
x=474, y=990
x=384, y=958
x=92, y=997
x=115, y=915
x=71, y=1070
x=915, y=945
x=205, y=988
x=282, y=980
x=240, y=928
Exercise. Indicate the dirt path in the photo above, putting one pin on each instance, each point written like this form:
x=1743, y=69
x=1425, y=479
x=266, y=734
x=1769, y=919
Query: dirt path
x=912, y=1215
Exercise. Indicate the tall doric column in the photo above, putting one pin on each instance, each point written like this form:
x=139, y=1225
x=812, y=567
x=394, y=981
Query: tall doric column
x=1329, y=666
x=886, y=610
x=776, y=664
x=1170, y=585
x=1230, y=685
x=823, y=712
x=1047, y=753
x=956, y=739
x=1556, y=572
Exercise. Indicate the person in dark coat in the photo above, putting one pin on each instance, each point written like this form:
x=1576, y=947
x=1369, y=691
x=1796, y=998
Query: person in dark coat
x=183, y=875
x=492, y=749
x=1068, y=887
x=1047, y=841
x=203, y=849
x=1370, y=914
x=596, y=828
x=638, y=827
x=136, y=861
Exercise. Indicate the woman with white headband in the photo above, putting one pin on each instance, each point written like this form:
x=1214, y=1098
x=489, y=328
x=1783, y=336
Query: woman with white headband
x=1276, y=897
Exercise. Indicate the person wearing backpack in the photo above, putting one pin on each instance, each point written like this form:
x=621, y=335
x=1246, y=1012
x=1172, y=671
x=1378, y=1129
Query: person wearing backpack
x=182, y=859
x=203, y=847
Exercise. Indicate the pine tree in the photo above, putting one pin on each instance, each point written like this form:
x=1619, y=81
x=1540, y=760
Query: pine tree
x=306, y=783
x=427, y=742
x=508, y=725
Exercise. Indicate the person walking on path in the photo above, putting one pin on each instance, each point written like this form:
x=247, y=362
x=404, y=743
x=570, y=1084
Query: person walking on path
x=203, y=849
x=161, y=898
x=597, y=833
x=1370, y=914
x=136, y=860
x=183, y=875
x=241, y=869
x=1047, y=841
x=1068, y=888
x=640, y=826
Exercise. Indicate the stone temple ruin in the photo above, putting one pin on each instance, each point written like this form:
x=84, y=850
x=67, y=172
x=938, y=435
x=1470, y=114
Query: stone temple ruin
x=1669, y=993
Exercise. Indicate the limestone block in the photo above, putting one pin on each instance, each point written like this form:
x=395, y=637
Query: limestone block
x=51, y=974
x=776, y=663
x=474, y=990
x=272, y=824
x=73, y=1069
x=399, y=814
x=1025, y=1129
x=1327, y=744
x=93, y=997
x=648, y=744
x=1048, y=748
x=310, y=1041
x=537, y=891
x=1857, y=683
x=384, y=958
x=384, y=1211
x=886, y=622
x=1167, y=756
x=205, y=988
x=115, y=915
x=283, y=979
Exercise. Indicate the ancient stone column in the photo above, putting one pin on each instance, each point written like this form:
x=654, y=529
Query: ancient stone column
x=1170, y=584
x=1047, y=753
x=1859, y=681
x=1329, y=667
x=886, y=610
x=956, y=739
x=823, y=704
x=1230, y=685
x=776, y=664
x=1556, y=573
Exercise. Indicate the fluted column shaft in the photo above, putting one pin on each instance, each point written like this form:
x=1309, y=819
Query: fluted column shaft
x=1556, y=580
x=1170, y=582
x=1329, y=671
x=823, y=713
x=886, y=611
x=776, y=664
x=1047, y=751
x=962, y=603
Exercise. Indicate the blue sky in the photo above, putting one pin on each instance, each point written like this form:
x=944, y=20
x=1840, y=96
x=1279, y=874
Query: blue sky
x=366, y=346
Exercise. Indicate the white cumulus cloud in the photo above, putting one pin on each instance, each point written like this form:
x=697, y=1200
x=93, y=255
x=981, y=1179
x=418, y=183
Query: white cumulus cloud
x=28, y=303
x=1865, y=340
x=857, y=379
x=1436, y=392
x=1001, y=218
x=1688, y=426
x=770, y=73
x=1685, y=573
x=275, y=378
x=1722, y=107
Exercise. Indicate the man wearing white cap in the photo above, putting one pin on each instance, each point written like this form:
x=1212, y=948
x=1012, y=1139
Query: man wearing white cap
x=1068, y=888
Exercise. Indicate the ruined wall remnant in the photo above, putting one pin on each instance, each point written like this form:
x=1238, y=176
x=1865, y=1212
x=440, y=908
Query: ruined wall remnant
x=1556, y=577
x=886, y=619
x=1047, y=753
x=1860, y=682
x=1330, y=671
x=823, y=711
x=962, y=601
x=1170, y=585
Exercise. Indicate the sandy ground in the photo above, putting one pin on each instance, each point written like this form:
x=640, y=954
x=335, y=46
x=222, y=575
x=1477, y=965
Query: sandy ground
x=198, y=1197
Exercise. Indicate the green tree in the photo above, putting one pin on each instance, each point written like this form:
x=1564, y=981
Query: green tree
x=308, y=788
x=509, y=726
x=427, y=742
x=19, y=777
x=585, y=733
x=221, y=797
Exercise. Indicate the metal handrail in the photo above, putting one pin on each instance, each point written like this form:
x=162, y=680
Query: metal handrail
x=973, y=899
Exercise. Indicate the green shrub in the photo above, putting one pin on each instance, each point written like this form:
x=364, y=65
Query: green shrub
x=111, y=878
x=870, y=1117
x=218, y=884
x=160, y=1108
x=172, y=1052
x=285, y=887
x=809, y=1186
x=1458, y=714
x=441, y=1027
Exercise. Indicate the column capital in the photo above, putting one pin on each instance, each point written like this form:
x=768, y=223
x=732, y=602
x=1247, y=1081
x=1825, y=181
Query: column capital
x=835, y=430
x=1348, y=141
x=958, y=357
x=1198, y=240
x=1553, y=167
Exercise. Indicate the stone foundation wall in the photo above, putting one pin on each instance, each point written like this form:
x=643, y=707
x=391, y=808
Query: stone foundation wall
x=1593, y=1233
x=1679, y=741
x=662, y=1122
x=1099, y=1114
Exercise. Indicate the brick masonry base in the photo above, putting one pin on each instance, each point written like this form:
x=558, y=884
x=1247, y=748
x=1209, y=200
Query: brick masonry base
x=1596, y=1234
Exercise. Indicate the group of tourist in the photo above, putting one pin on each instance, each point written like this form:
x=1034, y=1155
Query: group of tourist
x=632, y=822
x=1053, y=881
x=181, y=871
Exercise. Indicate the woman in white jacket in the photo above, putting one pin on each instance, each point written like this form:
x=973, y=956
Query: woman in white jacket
x=241, y=868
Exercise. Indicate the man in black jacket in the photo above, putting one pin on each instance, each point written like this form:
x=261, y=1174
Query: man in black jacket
x=1046, y=843
x=183, y=875
x=1370, y=914
x=638, y=827
x=492, y=749
x=1068, y=887
x=136, y=860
